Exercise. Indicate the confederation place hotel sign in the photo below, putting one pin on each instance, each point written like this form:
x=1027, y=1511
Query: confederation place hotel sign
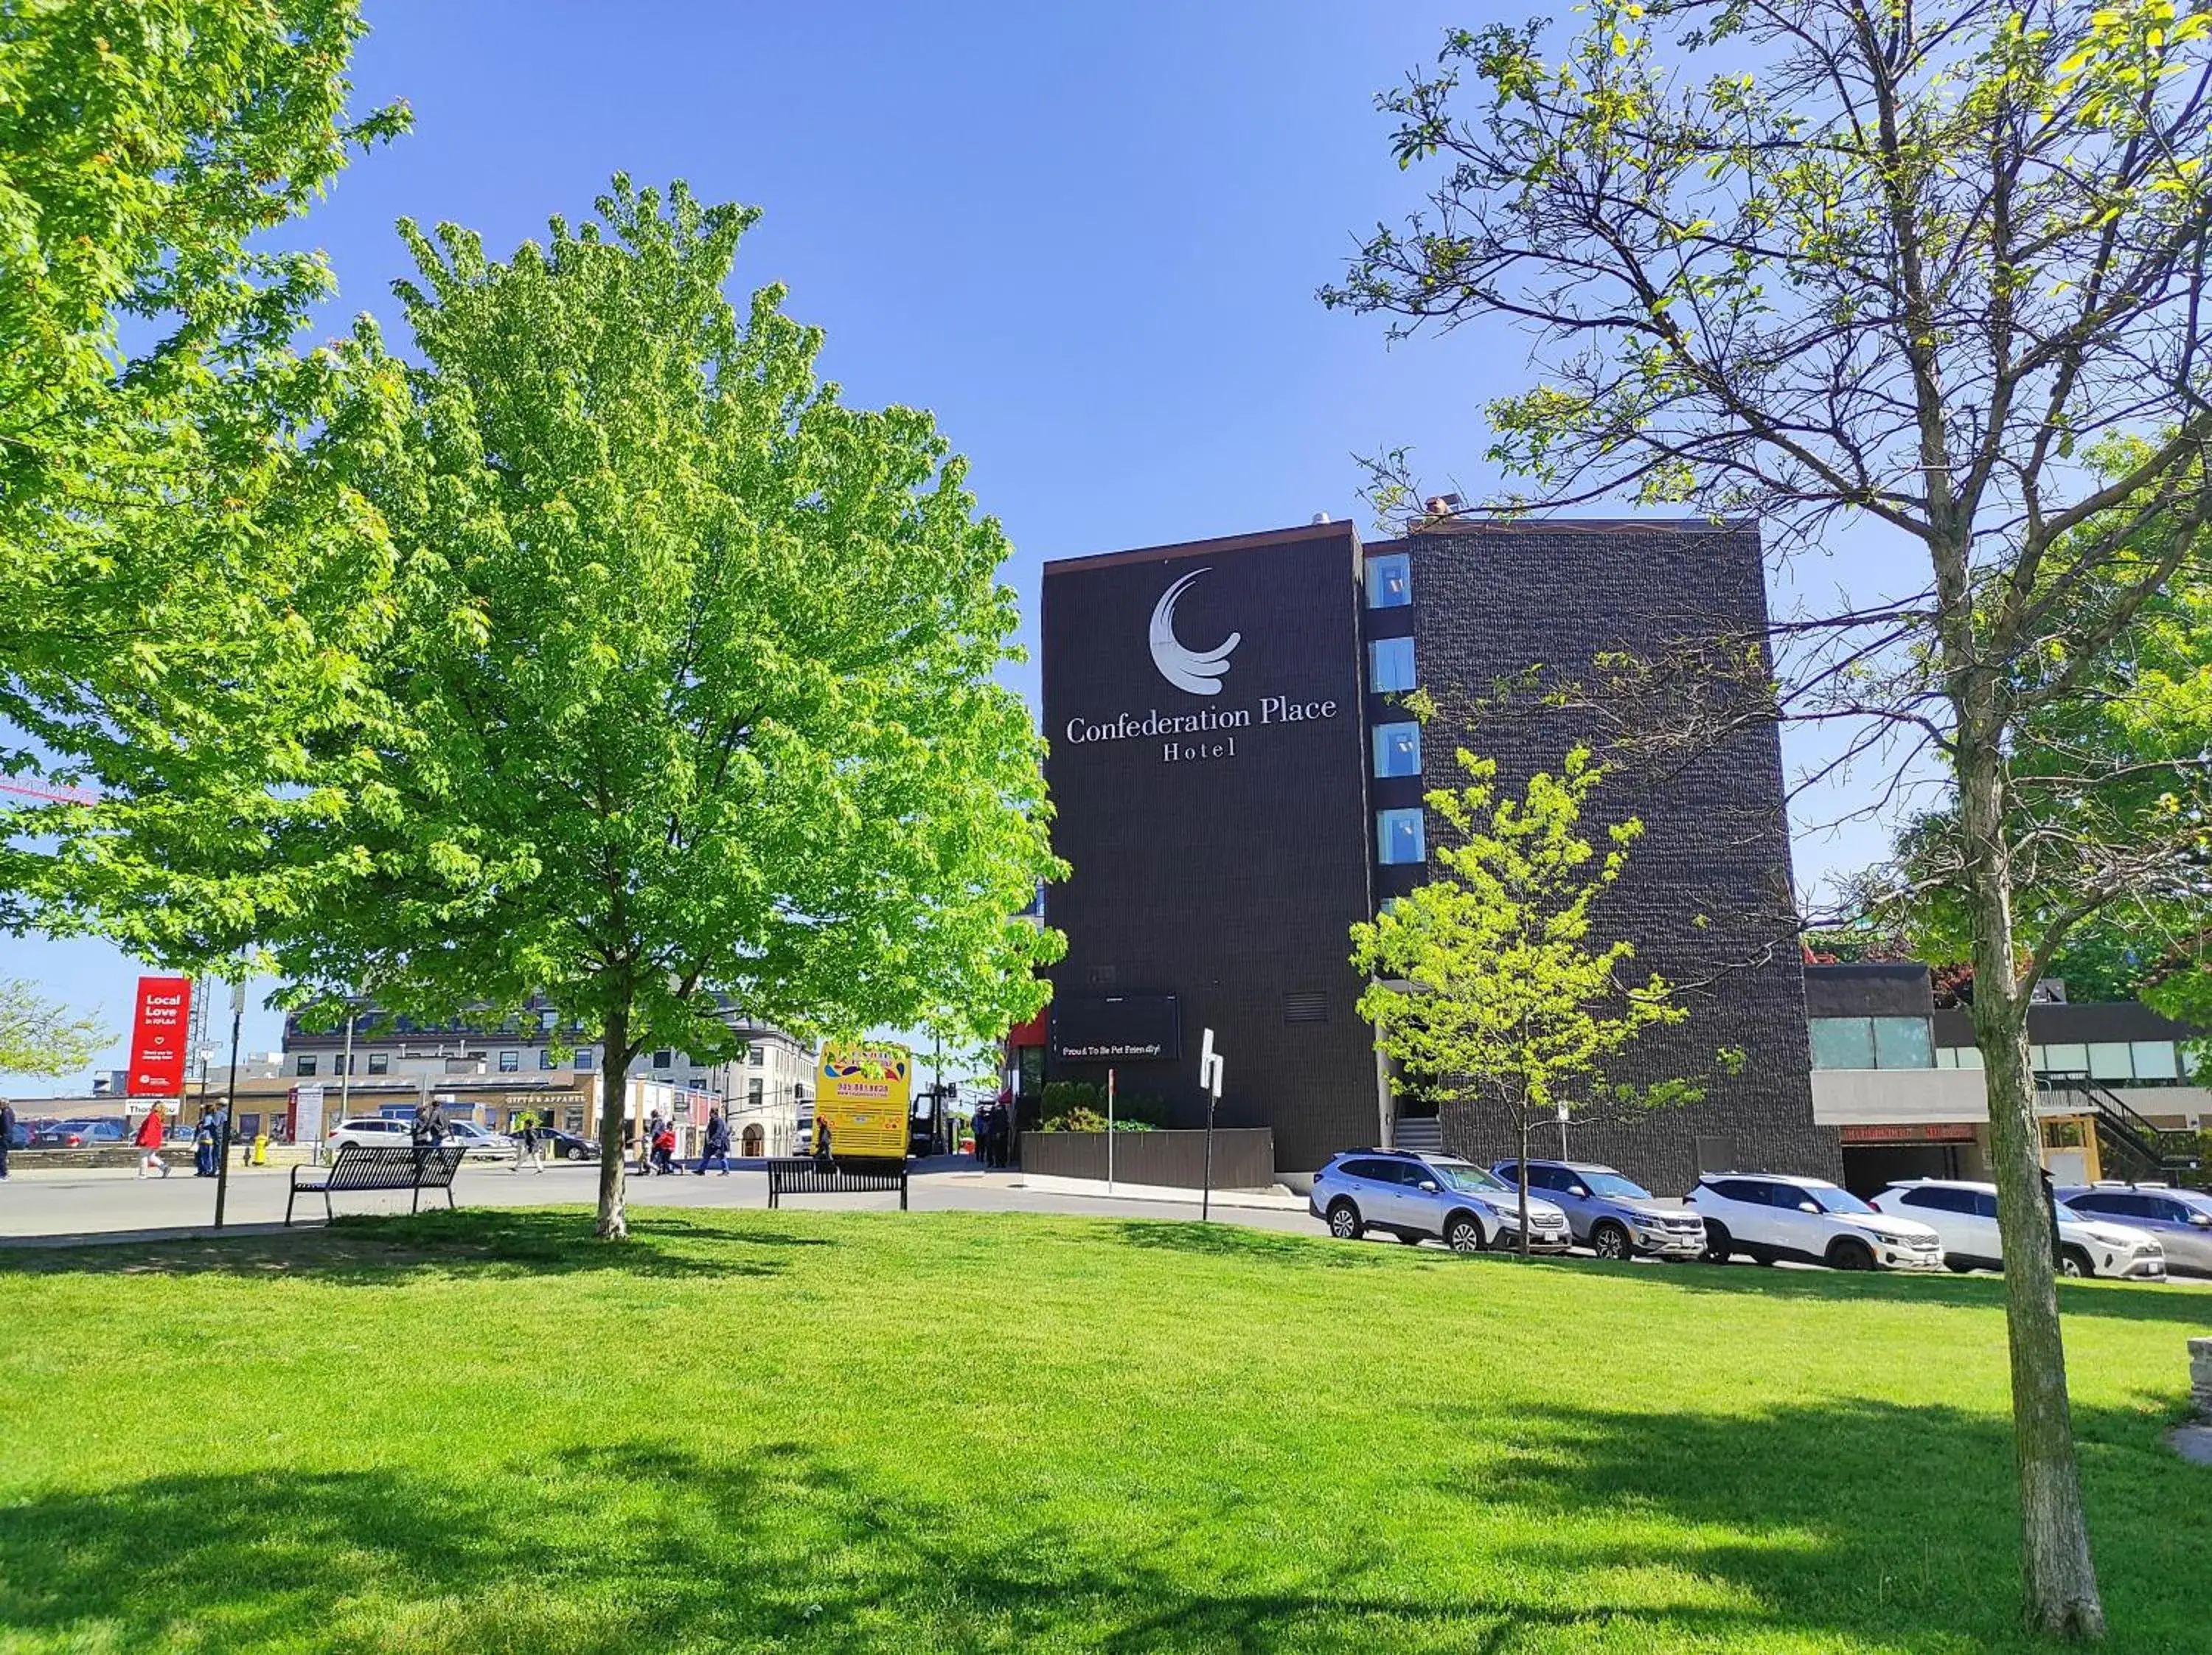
x=1200, y=672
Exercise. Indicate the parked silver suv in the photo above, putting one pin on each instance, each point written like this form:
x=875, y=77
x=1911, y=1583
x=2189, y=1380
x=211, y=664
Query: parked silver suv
x=1412, y=1196
x=1612, y=1215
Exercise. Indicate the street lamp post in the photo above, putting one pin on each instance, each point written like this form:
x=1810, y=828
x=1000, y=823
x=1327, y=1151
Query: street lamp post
x=230, y=1106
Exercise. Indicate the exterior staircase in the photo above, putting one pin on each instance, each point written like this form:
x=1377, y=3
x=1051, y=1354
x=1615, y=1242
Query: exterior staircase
x=2130, y=1144
x=1422, y=1134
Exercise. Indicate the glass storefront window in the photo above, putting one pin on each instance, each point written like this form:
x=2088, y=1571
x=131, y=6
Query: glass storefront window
x=1842, y=1043
x=1399, y=838
x=1397, y=750
x=1903, y=1042
x=1389, y=581
x=1390, y=666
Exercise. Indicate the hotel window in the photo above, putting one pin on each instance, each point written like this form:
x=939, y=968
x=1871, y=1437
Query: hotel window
x=754, y=1090
x=1872, y=1043
x=545, y=1057
x=2156, y=1060
x=1398, y=838
x=510, y=1062
x=757, y=1056
x=663, y=1059
x=380, y=1062
x=306, y=1066
x=1389, y=581
x=1390, y=666
x=2109, y=1061
x=1397, y=750
x=583, y=1058
x=2067, y=1058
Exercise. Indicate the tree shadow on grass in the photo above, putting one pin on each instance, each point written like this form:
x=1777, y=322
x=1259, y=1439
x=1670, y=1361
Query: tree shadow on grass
x=2126, y=1301
x=638, y=1546
x=386, y=1250
x=1890, y=1519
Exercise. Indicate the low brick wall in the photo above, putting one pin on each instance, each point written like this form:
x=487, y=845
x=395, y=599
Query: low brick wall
x=1244, y=1157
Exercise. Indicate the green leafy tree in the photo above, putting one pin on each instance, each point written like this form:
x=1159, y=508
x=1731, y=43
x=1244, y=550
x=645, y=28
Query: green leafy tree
x=1486, y=982
x=698, y=669
x=188, y=586
x=38, y=1037
x=1898, y=268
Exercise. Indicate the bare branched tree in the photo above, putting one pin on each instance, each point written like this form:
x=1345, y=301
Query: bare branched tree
x=1933, y=272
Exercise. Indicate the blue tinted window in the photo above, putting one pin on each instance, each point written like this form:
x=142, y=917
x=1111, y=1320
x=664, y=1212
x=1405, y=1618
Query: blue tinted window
x=1397, y=750
x=1398, y=836
x=1389, y=581
x=1390, y=666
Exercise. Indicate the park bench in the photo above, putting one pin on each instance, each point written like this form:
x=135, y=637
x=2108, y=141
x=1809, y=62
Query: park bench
x=813, y=1176
x=380, y=1166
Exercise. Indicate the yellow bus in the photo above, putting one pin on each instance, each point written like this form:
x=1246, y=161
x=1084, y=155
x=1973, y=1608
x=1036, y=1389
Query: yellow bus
x=863, y=1095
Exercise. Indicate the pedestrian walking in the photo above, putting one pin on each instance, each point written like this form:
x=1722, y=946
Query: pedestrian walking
x=718, y=1144
x=151, y=1130
x=428, y=1127
x=527, y=1152
x=204, y=1146
x=7, y=1135
x=664, y=1149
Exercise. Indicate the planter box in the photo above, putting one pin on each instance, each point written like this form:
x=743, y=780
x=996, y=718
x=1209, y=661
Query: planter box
x=1244, y=1157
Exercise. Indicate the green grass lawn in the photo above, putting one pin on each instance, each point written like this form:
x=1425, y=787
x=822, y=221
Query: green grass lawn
x=845, y=1432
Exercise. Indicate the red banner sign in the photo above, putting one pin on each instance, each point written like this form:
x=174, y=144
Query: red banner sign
x=158, y=1035
x=1911, y=1131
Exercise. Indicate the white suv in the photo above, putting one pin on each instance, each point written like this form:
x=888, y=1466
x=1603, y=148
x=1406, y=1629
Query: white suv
x=1964, y=1214
x=1770, y=1216
x=369, y=1129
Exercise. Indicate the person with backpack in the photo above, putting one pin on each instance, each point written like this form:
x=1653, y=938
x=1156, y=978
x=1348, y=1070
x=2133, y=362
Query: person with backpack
x=718, y=1144
x=429, y=1129
x=664, y=1148
x=204, y=1146
x=151, y=1131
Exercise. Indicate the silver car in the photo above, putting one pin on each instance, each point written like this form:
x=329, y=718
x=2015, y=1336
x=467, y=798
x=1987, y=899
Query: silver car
x=1613, y=1216
x=2179, y=1220
x=1414, y=1197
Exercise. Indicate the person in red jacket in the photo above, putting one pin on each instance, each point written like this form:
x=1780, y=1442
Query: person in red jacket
x=151, y=1131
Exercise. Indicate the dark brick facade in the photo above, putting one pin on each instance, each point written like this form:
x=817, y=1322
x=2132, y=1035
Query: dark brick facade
x=1707, y=893
x=1228, y=879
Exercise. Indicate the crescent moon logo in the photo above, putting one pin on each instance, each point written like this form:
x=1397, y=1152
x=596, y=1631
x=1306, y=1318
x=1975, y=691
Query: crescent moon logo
x=1200, y=672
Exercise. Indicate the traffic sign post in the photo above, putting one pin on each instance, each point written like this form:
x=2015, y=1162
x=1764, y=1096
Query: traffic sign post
x=1209, y=1081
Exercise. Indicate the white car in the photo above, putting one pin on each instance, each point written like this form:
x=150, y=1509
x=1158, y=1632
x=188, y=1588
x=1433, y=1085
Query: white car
x=1965, y=1213
x=1770, y=1216
x=472, y=1137
x=369, y=1129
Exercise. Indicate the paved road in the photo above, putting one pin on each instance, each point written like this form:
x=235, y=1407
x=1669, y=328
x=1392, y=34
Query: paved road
x=108, y=1201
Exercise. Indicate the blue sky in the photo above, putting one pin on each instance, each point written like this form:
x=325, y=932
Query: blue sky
x=1086, y=236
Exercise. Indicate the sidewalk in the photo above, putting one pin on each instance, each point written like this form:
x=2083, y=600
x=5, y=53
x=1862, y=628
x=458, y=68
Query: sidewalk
x=1275, y=1200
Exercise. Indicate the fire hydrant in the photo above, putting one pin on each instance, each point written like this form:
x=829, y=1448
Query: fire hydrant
x=261, y=1149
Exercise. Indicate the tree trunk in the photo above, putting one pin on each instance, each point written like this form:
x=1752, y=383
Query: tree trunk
x=614, y=1083
x=2060, y=1576
x=1523, y=1171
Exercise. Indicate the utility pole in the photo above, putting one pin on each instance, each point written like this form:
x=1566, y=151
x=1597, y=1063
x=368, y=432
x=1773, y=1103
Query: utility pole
x=230, y=1107
x=345, y=1074
x=1109, y=1132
